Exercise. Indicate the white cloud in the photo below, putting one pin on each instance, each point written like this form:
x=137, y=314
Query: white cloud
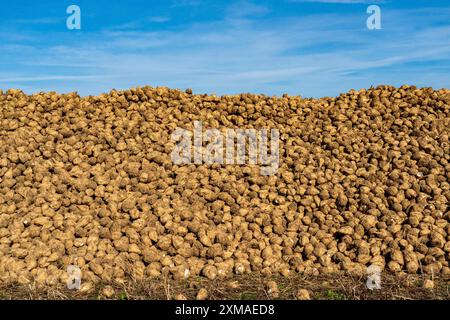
x=51, y=78
x=342, y=1
x=243, y=9
x=159, y=19
x=140, y=23
x=46, y=20
x=313, y=55
x=185, y=3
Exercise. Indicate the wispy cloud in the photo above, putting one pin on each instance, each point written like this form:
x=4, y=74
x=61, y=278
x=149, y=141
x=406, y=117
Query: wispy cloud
x=140, y=23
x=159, y=19
x=51, y=78
x=246, y=9
x=342, y=1
x=316, y=55
x=44, y=21
x=185, y=3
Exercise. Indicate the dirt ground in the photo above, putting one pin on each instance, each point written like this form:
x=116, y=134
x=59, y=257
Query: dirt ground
x=248, y=287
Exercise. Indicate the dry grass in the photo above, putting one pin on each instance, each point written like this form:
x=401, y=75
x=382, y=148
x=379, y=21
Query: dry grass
x=249, y=287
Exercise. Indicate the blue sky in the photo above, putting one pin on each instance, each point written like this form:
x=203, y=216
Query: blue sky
x=301, y=47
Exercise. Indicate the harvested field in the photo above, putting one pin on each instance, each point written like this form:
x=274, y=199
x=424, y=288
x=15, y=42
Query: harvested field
x=362, y=179
x=251, y=286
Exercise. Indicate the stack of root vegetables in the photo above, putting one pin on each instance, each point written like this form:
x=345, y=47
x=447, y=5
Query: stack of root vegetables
x=363, y=179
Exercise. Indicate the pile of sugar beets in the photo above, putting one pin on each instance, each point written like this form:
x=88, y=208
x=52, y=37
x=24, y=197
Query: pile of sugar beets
x=363, y=178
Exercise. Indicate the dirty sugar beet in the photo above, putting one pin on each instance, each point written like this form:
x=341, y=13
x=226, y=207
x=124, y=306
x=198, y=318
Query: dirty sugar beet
x=362, y=179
